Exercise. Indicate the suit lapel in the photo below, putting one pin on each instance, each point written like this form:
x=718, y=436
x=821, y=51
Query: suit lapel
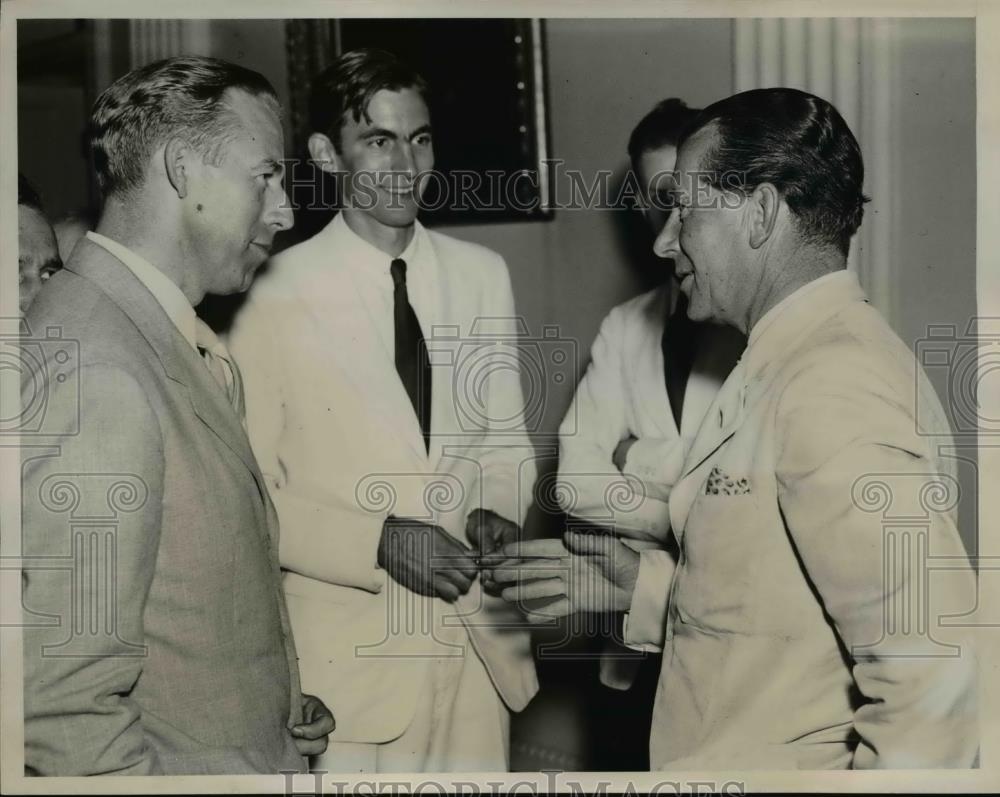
x=181, y=363
x=753, y=377
x=656, y=398
x=724, y=417
x=355, y=346
x=451, y=302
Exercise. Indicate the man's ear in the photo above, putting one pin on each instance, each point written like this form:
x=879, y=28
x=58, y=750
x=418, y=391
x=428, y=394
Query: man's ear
x=323, y=153
x=175, y=158
x=765, y=202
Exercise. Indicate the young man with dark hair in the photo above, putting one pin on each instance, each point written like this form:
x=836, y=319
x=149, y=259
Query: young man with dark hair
x=172, y=654
x=382, y=476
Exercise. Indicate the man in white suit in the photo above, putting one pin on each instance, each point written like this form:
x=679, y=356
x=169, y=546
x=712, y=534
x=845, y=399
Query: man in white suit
x=802, y=631
x=353, y=348
x=653, y=373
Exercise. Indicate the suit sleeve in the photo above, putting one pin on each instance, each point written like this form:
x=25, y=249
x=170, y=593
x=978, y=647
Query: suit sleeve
x=335, y=544
x=79, y=671
x=837, y=433
x=645, y=622
x=593, y=427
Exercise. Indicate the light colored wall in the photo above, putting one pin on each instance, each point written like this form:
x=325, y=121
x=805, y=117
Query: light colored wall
x=934, y=230
x=935, y=240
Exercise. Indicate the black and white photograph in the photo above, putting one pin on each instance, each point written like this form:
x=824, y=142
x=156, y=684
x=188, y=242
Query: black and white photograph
x=470, y=397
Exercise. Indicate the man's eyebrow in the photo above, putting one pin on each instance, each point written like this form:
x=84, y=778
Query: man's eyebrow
x=420, y=131
x=378, y=132
x=270, y=164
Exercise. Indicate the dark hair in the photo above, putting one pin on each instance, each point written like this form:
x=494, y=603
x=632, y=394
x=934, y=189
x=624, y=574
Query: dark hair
x=176, y=96
x=801, y=145
x=27, y=195
x=660, y=127
x=349, y=84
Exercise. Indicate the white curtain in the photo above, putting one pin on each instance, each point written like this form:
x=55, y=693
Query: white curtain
x=851, y=63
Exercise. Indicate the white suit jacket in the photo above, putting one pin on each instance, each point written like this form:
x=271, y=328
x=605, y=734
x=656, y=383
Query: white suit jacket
x=622, y=394
x=341, y=447
x=802, y=630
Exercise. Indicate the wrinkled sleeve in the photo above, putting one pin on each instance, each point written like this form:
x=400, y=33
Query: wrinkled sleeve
x=594, y=425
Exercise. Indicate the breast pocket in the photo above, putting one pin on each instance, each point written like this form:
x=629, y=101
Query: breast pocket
x=720, y=562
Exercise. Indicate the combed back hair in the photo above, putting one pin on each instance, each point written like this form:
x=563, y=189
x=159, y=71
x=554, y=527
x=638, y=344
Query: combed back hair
x=797, y=142
x=144, y=109
x=27, y=195
x=661, y=127
x=350, y=82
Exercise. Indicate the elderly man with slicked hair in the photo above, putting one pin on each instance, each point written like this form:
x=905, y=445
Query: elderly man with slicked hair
x=802, y=630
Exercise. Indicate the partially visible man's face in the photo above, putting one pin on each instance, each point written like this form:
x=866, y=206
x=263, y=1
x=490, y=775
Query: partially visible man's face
x=37, y=254
x=383, y=157
x=236, y=206
x=655, y=171
x=706, y=236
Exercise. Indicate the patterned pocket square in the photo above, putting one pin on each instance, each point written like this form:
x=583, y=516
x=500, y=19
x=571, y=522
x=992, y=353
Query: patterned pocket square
x=720, y=483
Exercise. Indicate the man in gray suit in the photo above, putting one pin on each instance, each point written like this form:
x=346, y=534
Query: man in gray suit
x=157, y=639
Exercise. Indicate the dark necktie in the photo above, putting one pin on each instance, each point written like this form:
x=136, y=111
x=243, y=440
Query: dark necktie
x=412, y=363
x=678, y=344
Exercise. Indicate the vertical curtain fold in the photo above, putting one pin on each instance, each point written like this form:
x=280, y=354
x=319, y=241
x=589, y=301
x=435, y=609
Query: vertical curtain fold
x=153, y=39
x=849, y=62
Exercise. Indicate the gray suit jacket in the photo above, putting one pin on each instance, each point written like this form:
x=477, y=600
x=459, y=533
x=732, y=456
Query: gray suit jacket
x=157, y=638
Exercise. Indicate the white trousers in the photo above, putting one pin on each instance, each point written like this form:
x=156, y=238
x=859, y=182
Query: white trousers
x=461, y=725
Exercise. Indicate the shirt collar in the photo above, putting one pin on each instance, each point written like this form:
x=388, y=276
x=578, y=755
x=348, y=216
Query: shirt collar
x=368, y=260
x=796, y=313
x=173, y=301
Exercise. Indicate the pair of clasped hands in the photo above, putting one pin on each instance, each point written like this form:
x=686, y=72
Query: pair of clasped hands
x=584, y=571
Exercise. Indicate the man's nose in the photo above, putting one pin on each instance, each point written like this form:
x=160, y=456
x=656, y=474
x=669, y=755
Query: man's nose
x=403, y=161
x=280, y=216
x=667, y=243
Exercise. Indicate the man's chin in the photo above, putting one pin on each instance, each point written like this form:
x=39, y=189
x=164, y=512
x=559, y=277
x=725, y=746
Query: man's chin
x=245, y=281
x=696, y=310
x=400, y=217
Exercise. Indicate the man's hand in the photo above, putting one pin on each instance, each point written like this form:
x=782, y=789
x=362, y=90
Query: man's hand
x=317, y=723
x=580, y=573
x=425, y=558
x=620, y=455
x=487, y=531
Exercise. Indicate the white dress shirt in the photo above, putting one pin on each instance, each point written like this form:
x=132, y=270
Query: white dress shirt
x=369, y=267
